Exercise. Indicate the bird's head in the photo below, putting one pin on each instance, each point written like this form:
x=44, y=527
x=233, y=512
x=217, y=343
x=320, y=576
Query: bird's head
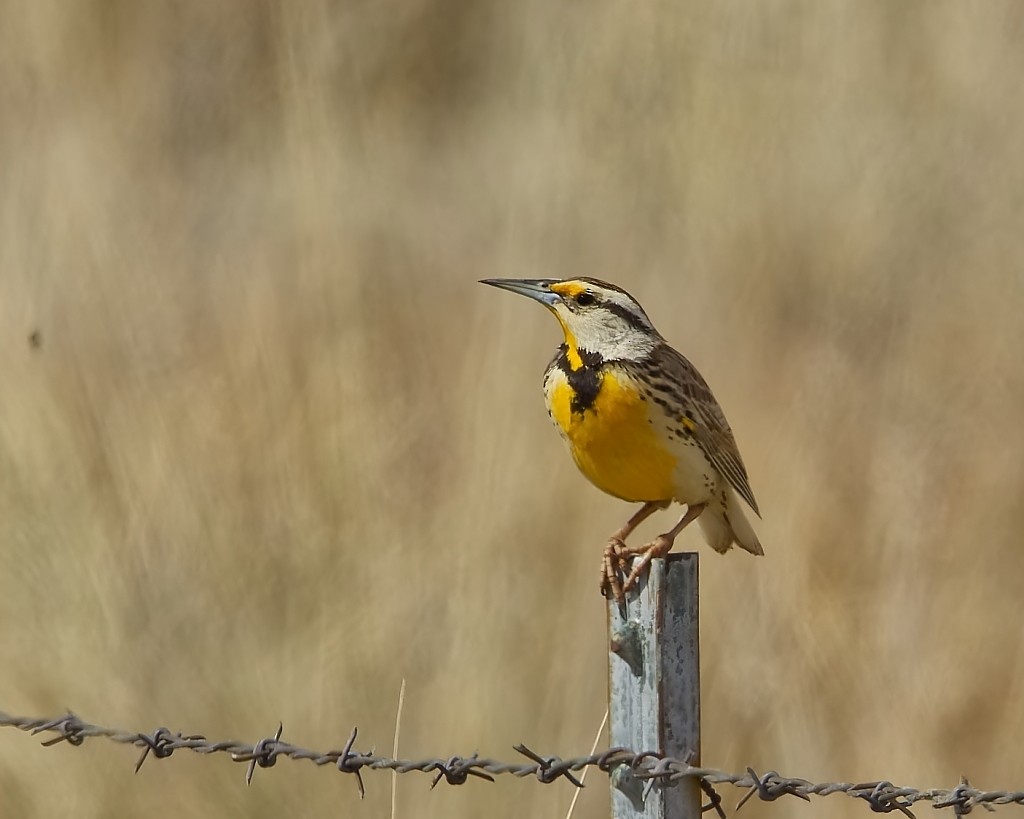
x=596, y=317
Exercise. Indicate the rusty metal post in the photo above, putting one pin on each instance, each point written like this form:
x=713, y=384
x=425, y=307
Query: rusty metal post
x=654, y=687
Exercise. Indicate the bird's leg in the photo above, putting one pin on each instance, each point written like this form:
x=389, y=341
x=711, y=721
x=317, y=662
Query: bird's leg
x=660, y=546
x=616, y=553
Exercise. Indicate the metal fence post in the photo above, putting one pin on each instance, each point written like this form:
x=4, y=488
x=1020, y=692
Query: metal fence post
x=654, y=686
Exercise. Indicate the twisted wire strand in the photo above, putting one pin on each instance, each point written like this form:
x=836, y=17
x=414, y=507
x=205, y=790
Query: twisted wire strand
x=881, y=796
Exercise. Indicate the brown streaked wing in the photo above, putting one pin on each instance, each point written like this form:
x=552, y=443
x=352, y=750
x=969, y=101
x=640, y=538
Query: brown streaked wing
x=712, y=433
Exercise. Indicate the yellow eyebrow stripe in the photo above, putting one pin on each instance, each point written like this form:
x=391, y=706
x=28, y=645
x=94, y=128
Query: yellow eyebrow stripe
x=568, y=290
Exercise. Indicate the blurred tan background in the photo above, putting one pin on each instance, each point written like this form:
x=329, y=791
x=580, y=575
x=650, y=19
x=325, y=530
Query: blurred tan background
x=266, y=447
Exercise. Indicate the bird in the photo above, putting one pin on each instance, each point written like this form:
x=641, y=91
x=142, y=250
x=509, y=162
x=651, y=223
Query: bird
x=640, y=422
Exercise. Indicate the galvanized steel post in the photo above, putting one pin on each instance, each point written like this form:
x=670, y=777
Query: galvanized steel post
x=654, y=687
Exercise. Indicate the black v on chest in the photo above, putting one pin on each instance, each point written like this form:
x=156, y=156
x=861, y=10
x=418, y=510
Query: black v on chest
x=585, y=380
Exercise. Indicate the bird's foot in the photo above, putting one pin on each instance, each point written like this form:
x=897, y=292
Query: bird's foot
x=615, y=561
x=659, y=547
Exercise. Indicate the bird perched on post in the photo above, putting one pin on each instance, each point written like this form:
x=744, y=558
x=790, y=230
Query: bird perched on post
x=640, y=422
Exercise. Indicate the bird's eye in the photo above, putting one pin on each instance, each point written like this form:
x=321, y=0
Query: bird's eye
x=585, y=299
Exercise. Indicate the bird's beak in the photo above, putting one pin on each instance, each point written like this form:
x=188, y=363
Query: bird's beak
x=537, y=289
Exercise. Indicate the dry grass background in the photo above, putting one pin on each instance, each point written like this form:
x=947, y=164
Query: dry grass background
x=278, y=450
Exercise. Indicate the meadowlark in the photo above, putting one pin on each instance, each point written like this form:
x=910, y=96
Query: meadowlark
x=640, y=422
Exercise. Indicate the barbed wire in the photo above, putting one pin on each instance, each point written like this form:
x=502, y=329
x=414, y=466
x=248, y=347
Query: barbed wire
x=882, y=796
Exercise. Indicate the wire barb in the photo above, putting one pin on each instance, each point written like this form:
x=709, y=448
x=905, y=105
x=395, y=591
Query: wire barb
x=264, y=754
x=883, y=797
x=160, y=743
x=549, y=768
x=346, y=763
x=771, y=786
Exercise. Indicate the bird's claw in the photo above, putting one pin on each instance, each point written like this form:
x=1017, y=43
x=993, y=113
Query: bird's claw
x=615, y=560
x=659, y=547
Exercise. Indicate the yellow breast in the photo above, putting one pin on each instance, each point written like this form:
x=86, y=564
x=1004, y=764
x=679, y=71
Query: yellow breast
x=613, y=441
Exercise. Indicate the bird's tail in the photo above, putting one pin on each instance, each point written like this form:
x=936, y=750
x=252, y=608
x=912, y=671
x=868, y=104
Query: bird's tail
x=724, y=523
